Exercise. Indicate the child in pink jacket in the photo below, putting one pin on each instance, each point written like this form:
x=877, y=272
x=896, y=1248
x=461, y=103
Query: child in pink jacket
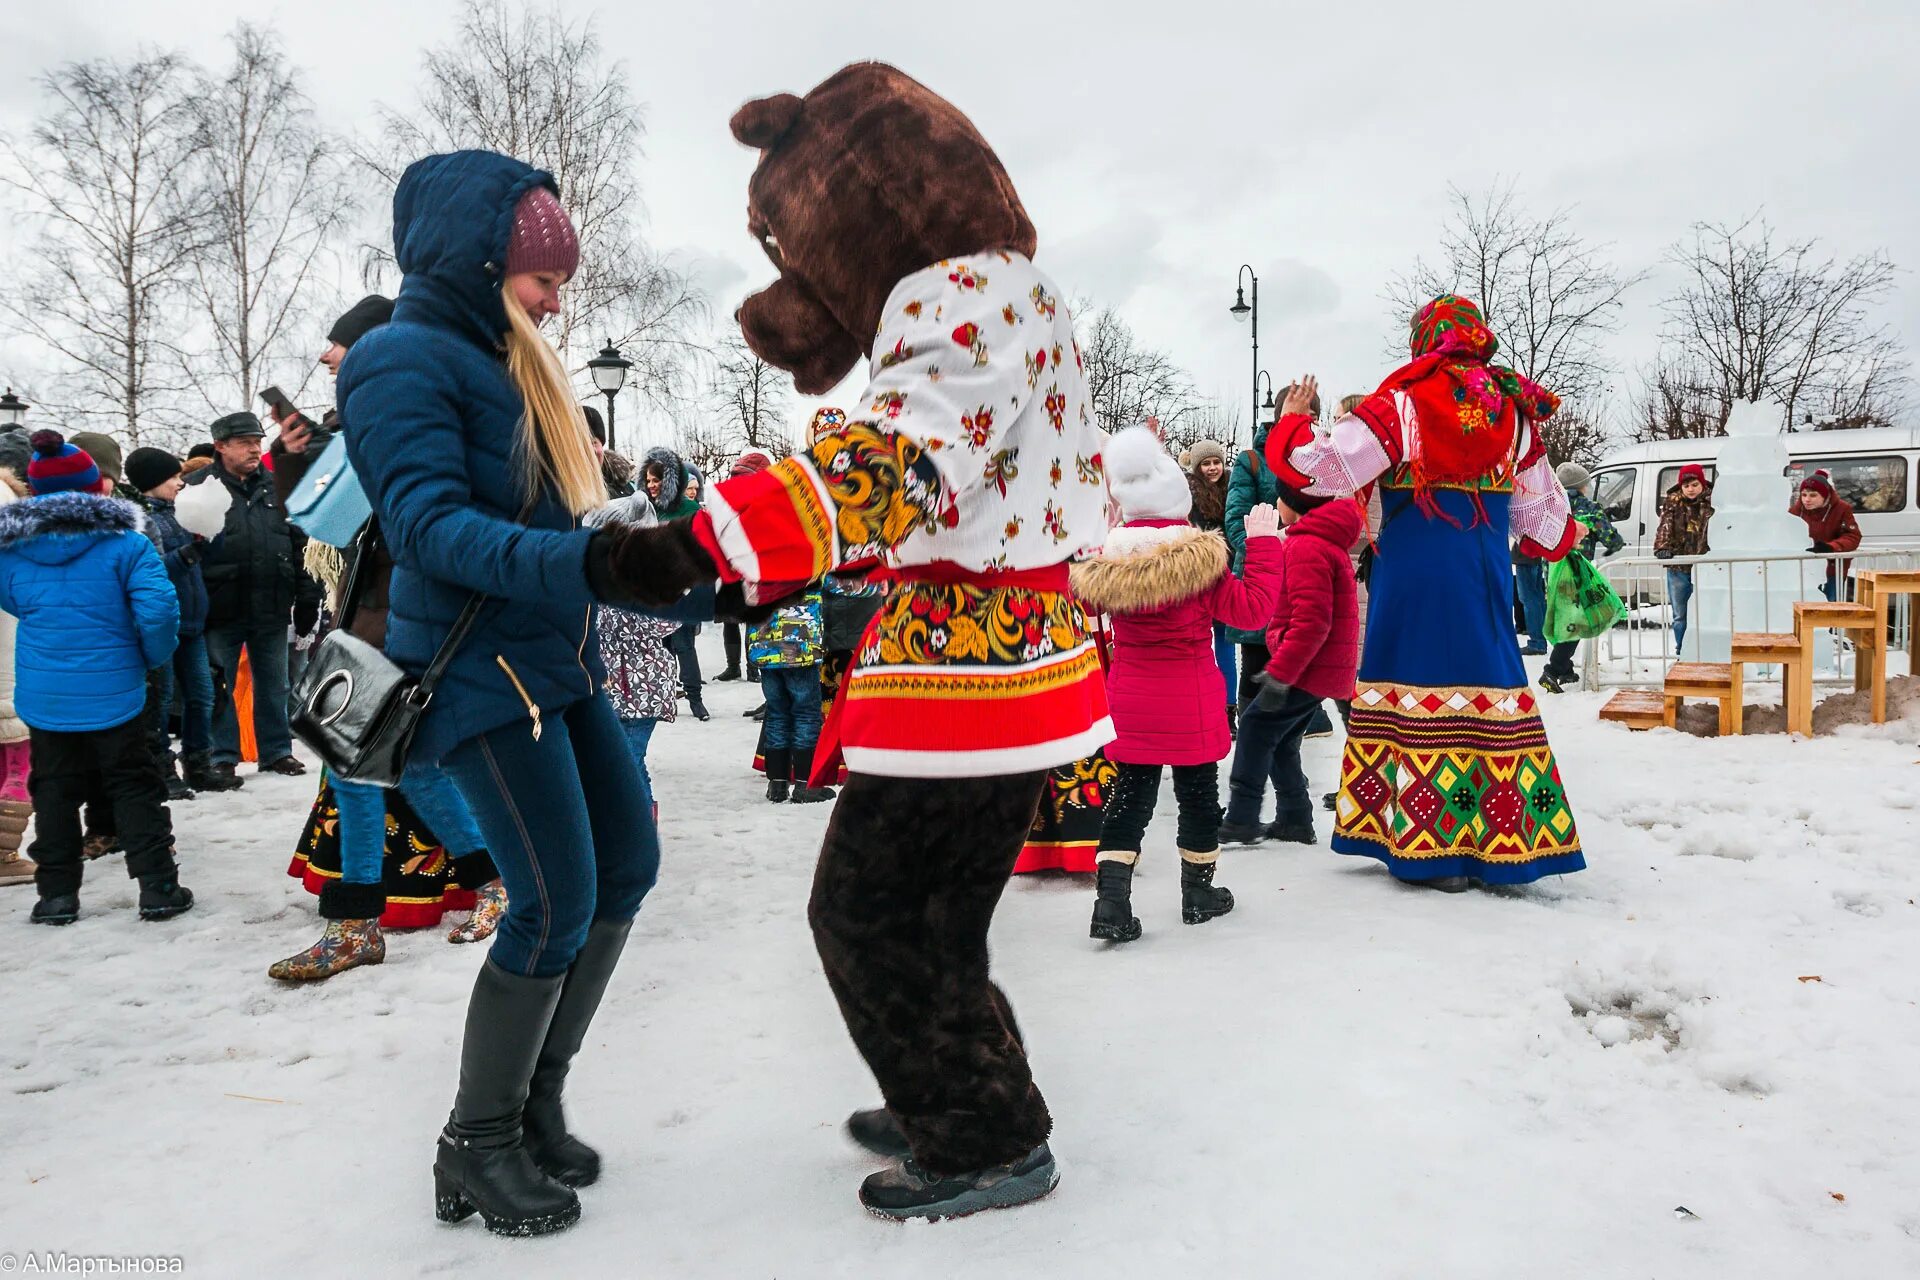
x=1314, y=642
x=1165, y=583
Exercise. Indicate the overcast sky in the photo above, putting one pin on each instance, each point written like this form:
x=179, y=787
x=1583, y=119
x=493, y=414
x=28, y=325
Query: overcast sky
x=1158, y=146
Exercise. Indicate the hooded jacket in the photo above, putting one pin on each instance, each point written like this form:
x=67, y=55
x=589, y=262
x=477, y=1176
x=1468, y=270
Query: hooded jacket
x=180, y=553
x=1164, y=583
x=96, y=610
x=673, y=502
x=431, y=419
x=1314, y=636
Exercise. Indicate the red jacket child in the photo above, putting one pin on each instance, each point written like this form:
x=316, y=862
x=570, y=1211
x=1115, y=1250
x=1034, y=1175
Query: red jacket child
x=1316, y=624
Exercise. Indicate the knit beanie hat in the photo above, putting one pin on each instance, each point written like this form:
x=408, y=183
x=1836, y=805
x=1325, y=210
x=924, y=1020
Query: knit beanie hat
x=1206, y=450
x=1693, y=471
x=367, y=314
x=1572, y=475
x=752, y=462
x=1147, y=483
x=103, y=449
x=202, y=452
x=59, y=467
x=149, y=468
x=1821, y=482
x=1299, y=499
x=543, y=236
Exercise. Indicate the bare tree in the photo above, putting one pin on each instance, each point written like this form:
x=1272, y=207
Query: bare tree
x=1550, y=296
x=1208, y=420
x=1128, y=382
x=750, y=397
x=1762, y=320
x=277, y=194
x=530, y=82
x=1677, y=401
x=103, y=174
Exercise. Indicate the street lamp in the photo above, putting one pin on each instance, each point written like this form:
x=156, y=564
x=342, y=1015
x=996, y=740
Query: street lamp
x=13, y=410
x=609, y=370
x=1266, y=404
x=1241, y=311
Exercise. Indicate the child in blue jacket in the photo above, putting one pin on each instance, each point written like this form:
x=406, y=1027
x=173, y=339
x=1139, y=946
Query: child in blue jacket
x=789, y=648
x=96, y=614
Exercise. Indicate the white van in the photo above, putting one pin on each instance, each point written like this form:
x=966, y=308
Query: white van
x=1874, y=470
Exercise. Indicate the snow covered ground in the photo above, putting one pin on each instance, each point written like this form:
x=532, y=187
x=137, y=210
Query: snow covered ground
x=1344, y=1078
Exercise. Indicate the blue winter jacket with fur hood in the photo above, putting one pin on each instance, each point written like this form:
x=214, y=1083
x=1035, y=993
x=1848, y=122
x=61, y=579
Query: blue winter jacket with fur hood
x=431, y=419
x=96, y=610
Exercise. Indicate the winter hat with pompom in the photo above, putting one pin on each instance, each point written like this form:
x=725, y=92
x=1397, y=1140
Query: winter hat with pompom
x=1146, y=483
x=1821, y=482
x=59, y=467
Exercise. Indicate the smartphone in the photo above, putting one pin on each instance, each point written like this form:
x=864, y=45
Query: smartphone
x=283, y=409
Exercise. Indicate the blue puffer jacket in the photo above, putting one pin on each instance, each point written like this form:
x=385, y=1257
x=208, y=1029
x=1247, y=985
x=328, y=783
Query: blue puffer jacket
x=95, y=609
x=180, y=553
x=431, y=419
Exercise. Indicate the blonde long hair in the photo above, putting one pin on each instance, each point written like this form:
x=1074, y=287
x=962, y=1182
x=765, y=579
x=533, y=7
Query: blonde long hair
x=554, y=447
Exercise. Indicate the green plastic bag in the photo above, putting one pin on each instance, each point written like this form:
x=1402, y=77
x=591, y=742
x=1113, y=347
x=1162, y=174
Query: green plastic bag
x=1581, y=603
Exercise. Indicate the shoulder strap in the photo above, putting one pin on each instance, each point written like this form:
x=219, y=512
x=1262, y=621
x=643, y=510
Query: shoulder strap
x=448, y=647
x=363, y=549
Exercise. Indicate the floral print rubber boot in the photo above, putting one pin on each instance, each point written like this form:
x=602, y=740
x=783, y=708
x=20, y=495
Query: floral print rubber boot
x=345, y=944
x=489, y=904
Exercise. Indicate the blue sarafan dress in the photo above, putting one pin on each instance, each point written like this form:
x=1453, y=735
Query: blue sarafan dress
x=1447, y=770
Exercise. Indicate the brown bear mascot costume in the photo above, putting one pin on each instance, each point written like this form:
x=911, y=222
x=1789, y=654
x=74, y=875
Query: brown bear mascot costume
x=969, y=473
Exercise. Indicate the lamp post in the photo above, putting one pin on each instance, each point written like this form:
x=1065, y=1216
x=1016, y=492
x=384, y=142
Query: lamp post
x=13, y=410
x=1240, y=311
x=609, y=374
x=1260, y=404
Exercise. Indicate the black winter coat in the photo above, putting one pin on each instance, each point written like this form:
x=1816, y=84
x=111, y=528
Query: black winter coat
x=253, y=570
x=181, y=554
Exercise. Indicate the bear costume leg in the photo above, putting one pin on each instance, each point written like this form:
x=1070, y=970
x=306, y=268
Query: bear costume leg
x=907, y=884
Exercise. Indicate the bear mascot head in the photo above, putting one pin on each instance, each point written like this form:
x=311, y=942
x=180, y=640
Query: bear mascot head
x=868, y=179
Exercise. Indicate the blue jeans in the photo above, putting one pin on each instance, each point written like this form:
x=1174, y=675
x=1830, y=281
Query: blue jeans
x=793, y=706
x=639, y=734
x=188, y=676
x=266, y=646
x=1269, y=748
x=363, y=820
x=1679, y=592
x=1532, y=578
x=1224, y=656
x=568, y=823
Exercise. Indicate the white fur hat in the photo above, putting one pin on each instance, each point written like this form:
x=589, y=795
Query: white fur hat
x=1146, y=483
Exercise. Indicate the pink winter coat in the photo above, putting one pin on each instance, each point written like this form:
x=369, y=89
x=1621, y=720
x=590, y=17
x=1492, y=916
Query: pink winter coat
x=1165, y=583
x=1315, y=630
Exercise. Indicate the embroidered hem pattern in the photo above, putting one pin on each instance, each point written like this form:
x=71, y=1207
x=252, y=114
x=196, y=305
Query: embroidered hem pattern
x=955, y=680
x=1454, y=780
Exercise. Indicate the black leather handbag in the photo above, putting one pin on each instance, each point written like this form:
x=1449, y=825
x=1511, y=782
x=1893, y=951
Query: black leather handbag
x=354, y=706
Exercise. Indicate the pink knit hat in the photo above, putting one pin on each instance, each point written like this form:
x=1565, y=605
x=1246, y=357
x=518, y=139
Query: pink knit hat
x=543, y=236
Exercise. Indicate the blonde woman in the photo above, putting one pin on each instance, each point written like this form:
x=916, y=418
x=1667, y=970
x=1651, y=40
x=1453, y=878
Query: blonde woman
x=461, y=424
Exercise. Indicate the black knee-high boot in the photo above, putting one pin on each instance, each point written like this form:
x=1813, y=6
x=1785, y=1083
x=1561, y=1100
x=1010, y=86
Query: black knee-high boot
x=559, y=1154
x=481, y=1164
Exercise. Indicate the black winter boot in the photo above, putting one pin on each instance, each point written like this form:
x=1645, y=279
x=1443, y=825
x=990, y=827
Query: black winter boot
x=163, y=899
x=731, y=673
x=481, y=1164
x=804, y=792
x=779, y=774
x=1199, y=900
x=560, y=1155
x=1291, y=831
x=56, y=908
x=178, y=788
x=908, y=1191
x=204, y=775
x=1113, y=918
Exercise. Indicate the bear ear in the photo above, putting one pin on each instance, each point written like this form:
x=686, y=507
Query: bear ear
x=764, y=121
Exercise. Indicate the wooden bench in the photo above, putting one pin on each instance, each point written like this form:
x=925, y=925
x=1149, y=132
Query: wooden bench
x=1876, y=589
x=1781, y=648
x=1637, y=709
x=1810, y=616
x=1721, y=681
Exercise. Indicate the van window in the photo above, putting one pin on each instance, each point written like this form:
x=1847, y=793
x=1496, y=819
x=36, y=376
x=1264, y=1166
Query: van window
x=1613, y=494
x=1670, y=476
x=1871, y=485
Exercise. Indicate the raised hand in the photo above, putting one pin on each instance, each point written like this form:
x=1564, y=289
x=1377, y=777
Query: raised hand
x=1299, y=397
x=1263, y=521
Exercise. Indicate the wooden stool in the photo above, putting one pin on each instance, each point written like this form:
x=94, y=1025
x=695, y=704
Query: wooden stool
x=1877, y=588
x=1636, y=709
x=1721, y=681
x=1780, y=648
x=1810, y=616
